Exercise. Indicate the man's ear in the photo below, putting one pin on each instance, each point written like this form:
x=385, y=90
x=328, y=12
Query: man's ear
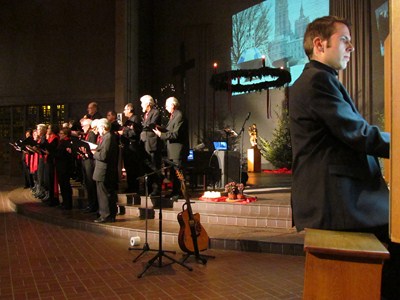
x=318, y=44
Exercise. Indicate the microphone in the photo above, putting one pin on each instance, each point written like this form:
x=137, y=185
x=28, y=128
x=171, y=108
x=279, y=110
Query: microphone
x=248, y=116
x=171, y=163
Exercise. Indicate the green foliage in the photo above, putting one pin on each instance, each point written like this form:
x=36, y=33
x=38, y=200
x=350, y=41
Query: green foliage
x=278, y=151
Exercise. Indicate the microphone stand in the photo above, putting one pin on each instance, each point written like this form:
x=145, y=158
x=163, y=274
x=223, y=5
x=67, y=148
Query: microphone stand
x=161, y=252
x=241, y=148
x=146, y=246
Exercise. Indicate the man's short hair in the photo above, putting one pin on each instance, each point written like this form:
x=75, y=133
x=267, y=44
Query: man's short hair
x=41, y=127
x=147, y=99
x=104, y=123
x=174, y=101
x=85, y=122
x=93, y=104
x=323, y=27
x=130, y=107
x=66, y=131
x=112, y=113
x=95, y=123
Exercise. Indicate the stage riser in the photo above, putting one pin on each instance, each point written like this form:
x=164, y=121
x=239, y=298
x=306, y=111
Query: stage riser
x=252, y=215
x=168, y=238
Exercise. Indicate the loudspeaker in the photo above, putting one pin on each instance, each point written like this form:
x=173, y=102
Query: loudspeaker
x=229, y=163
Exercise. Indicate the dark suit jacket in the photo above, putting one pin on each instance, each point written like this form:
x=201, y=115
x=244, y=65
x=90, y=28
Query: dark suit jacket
x=337, y=182
x=64, y=160
x=95, y=116
x=176, y=136
x=148, y=137
x=106, y=156
x=130, y=137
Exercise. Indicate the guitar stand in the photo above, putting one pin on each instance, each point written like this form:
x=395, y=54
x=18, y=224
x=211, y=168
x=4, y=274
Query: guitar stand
x=201, y=258
x=161, y=252
x=146, y=246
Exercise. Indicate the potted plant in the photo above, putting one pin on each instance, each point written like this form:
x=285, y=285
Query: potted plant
x=232, y=190
x=240, y=188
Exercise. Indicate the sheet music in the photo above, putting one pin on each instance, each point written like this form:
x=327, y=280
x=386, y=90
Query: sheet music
x=91, y=145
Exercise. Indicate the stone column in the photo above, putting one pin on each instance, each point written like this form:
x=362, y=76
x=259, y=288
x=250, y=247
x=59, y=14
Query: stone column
x=126, y=52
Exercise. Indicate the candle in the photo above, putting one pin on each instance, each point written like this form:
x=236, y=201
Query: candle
x=215, y=68
x=263, y=61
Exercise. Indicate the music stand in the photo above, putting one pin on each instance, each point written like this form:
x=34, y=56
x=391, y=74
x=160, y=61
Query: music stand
x=146, y=246
x=161, y=252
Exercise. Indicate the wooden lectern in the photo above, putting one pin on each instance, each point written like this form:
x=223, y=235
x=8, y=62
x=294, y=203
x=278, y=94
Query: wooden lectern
x=254, y=159
x=343, y=265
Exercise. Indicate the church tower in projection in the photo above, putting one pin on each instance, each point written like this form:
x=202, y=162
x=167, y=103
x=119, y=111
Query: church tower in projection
x=282, y=23
x=286, y=49
x=300, y=24
x=283, y=34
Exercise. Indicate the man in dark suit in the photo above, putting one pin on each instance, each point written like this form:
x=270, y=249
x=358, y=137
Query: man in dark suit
x=176, y=135
x=337, y=181
x=88, y=163
x=64, y=167
x=132, y=149
x=151, y=143
x=113, y=119
x=106, y=172
x=93, y=112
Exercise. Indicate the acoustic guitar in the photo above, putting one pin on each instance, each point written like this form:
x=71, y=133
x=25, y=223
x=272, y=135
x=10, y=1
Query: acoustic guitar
x=192, y=237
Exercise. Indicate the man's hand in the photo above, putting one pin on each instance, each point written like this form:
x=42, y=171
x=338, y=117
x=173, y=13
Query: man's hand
x=157, y=132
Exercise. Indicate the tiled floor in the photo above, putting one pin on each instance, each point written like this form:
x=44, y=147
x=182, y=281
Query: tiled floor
x=44, y=261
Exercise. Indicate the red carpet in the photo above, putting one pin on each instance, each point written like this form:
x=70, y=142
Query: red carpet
x=225, y=199
x=278, y=171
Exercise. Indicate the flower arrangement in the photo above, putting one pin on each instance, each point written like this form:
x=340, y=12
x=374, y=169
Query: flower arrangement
x=231, y=188
x=235, y=190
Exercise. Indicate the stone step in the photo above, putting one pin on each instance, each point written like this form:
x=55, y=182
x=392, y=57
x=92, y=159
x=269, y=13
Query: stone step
x=272, y=204
x=223, y=218
x=262, y=213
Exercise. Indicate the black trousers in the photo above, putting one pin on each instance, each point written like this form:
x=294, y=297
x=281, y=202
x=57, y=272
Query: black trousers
x=107, y=196
x=65, y=188
x=133, y=164
x=90, y=185
x=152, y=163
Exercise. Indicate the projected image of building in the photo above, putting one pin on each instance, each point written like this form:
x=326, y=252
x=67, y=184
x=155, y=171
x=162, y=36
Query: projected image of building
x=275, y=30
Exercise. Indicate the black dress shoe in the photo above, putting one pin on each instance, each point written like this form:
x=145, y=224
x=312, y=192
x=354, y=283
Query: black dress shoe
x=105, y=220
x=89, y=210
x=53, y=203
x=174, y=198
x=65, y=207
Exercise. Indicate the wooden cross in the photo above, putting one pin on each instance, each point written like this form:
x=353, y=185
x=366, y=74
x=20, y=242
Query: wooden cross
x=183, y=67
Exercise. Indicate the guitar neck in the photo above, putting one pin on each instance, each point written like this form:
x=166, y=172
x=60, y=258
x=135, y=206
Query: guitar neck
x=184, y=193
